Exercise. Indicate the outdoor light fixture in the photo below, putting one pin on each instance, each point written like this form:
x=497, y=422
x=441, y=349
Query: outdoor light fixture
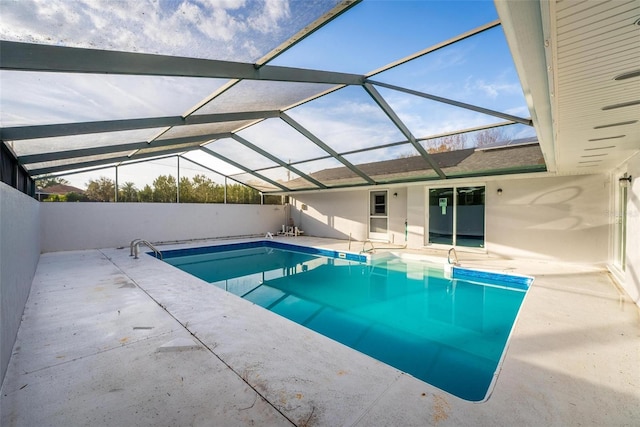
x=499, y=191
x=625, y=181
x=395, y=195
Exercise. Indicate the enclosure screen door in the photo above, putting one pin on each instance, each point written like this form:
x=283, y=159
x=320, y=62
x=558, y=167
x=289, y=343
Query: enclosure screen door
x=378, y=216
x=456, y=216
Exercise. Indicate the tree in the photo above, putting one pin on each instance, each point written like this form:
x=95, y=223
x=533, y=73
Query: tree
x=187, y=192
x=101, y=190
x=146, y=194
x=75, y=197
x=270, y=199
x=56, y=198
x=48, y=182
x=207, y=191
x=238, y=193
x=446, y=143
x=164, y=189
x=128, y=192
x=490, y=137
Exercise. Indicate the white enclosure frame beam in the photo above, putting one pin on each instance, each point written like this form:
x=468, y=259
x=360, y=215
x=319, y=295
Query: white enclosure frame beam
x=435, y=47
x=60, y=59
x=66, y=129
x=403, y=128
x=110, y=161
x=107, y=149
x=215, y=171
x=471, y=107
x=337, y=10
x=273, y=158
x=244, y=168
x=311, y=137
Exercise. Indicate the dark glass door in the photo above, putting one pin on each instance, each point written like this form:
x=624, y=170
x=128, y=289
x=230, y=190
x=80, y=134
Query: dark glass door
x=441, y=216
x=470, y=217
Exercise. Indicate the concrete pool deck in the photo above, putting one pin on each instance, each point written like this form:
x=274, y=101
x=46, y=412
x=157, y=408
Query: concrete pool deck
x=109, y=340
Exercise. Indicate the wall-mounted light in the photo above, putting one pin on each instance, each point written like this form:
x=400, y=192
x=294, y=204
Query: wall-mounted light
x=625, y=181
x=499, y=191
x=395, y=195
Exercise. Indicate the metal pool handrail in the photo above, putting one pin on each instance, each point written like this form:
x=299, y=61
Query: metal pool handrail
x=373, y=248
x=455, y=254
x=135, y=244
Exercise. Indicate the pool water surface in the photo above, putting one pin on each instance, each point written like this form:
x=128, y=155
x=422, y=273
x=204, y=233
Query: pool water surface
x=450, y=333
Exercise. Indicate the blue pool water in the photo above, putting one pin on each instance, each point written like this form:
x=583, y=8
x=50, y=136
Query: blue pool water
x=450, y=333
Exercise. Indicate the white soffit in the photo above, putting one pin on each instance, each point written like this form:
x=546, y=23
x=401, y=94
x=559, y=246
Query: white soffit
x=597, y=117
x=568, y=54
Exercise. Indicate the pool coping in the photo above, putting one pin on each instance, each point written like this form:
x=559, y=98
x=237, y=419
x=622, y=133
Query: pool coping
x=259, y=243
x=510, y=281
x=571, y=359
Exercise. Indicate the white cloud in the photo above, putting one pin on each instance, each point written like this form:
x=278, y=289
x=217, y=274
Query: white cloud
x=495, y=89
x=520, y=111
x=45, y=98
x=348, y=130
x=270, y=15
x=218, y=29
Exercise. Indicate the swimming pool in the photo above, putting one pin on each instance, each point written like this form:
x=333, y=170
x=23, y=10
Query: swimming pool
x=448, y=332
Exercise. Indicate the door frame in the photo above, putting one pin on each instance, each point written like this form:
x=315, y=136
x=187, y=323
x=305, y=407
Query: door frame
x=455, y=216
x=377, y=235
x=619, y=235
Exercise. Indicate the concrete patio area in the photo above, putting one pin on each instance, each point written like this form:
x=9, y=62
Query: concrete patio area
x=107, y=340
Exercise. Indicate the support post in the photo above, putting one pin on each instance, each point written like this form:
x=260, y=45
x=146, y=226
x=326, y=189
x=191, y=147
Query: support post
x=178, y=182
x=115, y=197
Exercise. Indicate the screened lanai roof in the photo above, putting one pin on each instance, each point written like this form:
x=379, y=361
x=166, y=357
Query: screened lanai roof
x=281, y=96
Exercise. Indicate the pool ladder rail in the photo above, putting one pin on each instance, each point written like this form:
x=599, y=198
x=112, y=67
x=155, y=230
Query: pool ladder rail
x=372, y=250
x=134, y=247
x=455, y=256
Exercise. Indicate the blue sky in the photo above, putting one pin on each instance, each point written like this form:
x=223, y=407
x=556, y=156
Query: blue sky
x=377, y=32
x=370, y=35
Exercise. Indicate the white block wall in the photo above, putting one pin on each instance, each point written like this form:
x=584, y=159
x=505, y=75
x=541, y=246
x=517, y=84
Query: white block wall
x=19, y=255
x=334, y=214
x=74, y=226
x=550, y=218
x=631, y=279
x=554, y=218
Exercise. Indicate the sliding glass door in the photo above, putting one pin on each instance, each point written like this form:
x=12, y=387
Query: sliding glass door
x=470, y=217
x=441, y=216
x=456, y=216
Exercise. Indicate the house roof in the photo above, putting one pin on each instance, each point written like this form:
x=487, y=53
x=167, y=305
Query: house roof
x=60, y=189
x=507, y=159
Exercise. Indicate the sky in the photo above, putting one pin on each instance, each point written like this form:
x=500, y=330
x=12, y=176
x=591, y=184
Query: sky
x=370, y=35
